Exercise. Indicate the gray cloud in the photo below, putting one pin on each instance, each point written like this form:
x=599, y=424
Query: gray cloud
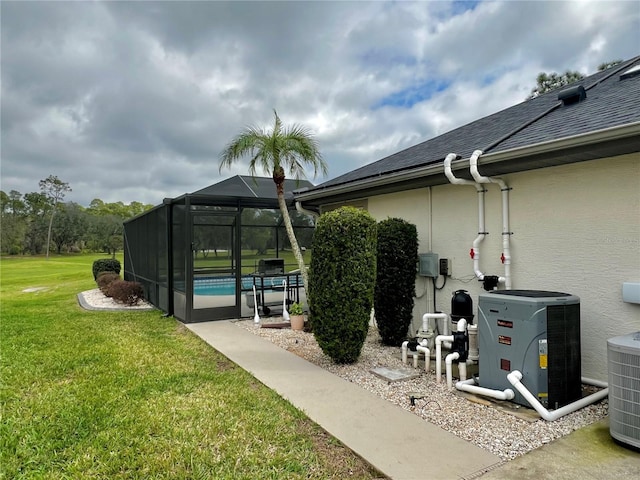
x=133, y=101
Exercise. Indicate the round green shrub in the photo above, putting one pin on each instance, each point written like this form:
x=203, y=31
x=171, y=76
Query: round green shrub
x=396, y=279
x=342, y=278
x=105, y=265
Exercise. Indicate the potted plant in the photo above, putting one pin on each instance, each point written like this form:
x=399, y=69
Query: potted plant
x=296, y=316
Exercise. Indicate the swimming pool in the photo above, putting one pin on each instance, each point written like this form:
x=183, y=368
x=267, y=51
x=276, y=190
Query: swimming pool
x=227, y=285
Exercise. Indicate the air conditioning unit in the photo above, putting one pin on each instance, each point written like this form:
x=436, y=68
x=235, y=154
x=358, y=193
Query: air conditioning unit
x=623, y=354
x=536, y=332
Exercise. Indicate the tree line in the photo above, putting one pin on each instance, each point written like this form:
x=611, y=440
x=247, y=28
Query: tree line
x=36, y=222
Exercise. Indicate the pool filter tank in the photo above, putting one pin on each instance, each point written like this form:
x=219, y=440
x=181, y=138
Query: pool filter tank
x=461, y=307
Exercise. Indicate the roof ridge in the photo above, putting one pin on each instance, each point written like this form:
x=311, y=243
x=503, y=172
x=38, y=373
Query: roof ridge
x=247, y=185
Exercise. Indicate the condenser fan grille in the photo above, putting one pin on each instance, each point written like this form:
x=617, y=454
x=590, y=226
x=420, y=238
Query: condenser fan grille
x=624, y=388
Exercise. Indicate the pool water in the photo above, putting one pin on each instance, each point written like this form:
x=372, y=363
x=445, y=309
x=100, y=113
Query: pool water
x=226, y=285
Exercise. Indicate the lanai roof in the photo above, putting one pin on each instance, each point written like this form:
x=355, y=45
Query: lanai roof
x=611, y=101
x=246, y=191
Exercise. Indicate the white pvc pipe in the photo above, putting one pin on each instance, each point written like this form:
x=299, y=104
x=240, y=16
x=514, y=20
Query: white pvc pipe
x=481, y=223
x=595, y=383
x=462, y=370
x=515, y=377
x=435, y=316
x=461, y=326
x=300, y=209
x=256, y=317
x=439, y=340
x=447, y=363
x=506, y=233
x=405, y=349
x=285, y=314
x=468, y=386
x=427, y=356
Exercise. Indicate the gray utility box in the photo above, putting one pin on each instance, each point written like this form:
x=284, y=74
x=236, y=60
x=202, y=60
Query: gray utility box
x=536, y=332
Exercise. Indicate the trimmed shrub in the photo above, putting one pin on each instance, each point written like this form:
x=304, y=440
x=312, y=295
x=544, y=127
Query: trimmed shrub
x=396, y=279
x=342, y=278
x=105, y=265
x=104, y=281
x=124, y=291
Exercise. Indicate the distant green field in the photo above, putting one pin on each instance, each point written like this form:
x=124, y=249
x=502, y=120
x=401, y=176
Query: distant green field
x=133, y=395
x=250, y=259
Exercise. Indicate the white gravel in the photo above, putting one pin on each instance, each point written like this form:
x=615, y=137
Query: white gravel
x=505, y=433
x=96, y=300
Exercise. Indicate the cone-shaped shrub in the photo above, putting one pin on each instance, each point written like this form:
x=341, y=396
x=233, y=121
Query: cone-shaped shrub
x=396, y=279
x=342, y=277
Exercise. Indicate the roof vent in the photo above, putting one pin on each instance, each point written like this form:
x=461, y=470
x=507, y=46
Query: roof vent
x=572, y=95
x=632, y=72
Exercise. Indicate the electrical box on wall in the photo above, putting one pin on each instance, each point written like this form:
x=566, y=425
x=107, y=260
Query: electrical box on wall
x=444, y=267
x=428, y=265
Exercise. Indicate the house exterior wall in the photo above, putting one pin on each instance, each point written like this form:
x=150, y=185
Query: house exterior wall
x=576, y=229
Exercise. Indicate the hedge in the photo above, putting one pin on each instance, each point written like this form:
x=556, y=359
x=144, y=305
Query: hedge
x=341, y=281
x=105, y=265
x=396, y=278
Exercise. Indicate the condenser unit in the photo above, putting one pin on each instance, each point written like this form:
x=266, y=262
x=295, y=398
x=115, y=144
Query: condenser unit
x=623, y=355
x=536, y=332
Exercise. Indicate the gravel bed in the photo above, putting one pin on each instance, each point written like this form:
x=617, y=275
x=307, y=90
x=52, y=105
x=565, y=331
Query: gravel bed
x=490, y=427
x=96, y=300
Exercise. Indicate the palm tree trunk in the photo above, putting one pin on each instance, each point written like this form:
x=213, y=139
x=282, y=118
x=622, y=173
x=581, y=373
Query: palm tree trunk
x=292, y=238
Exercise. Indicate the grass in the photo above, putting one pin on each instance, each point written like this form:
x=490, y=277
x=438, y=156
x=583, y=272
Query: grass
x=135, y=395
x=250, y=259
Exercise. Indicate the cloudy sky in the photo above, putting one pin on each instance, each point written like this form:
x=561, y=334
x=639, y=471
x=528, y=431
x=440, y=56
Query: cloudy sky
x=133, y=101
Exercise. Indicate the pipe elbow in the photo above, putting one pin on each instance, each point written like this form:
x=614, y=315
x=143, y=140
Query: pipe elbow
x=448, y=360
x=514, y=377
x=443, y=338
x=462, y=325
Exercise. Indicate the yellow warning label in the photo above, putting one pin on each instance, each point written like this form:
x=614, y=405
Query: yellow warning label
x=543, y=361
x=543, y=395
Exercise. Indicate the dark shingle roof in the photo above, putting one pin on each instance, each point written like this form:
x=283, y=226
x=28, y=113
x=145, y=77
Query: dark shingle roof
x=610, y=102
x=242, y=186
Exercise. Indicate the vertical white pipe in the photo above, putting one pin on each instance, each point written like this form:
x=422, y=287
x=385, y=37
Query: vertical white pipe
x=506, y=233
x=285, y=314
x=481, y=222
x=256, y=317
x=447, y=363
x=427, y=356
x=462, y=370
x=439, y=340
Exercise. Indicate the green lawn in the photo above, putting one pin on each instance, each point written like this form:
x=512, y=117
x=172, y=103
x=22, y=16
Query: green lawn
x=250, y=259
x=135, y=395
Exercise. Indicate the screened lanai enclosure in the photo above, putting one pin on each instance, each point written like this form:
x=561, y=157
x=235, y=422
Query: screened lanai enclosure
x=201, y=256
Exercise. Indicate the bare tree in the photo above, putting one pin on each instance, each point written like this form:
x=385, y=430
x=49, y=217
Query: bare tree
x=54, y=189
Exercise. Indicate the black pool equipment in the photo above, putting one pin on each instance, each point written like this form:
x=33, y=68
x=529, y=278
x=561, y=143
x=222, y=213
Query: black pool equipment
x=461, y=307
x=460, y=346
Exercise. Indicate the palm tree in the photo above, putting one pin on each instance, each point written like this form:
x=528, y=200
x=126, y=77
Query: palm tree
x=281, y=151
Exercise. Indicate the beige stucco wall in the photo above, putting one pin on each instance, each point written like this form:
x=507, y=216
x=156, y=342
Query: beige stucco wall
x=576, y=229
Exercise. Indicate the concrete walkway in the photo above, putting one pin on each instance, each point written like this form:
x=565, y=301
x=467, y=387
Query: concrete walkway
x=391, y=439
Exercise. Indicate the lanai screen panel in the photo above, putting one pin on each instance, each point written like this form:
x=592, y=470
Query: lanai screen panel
x=146, y=258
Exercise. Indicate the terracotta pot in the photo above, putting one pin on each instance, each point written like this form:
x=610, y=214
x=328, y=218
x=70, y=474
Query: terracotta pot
x=297, y=322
